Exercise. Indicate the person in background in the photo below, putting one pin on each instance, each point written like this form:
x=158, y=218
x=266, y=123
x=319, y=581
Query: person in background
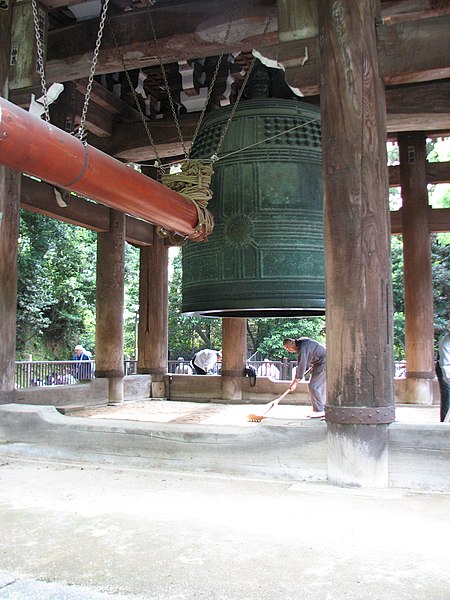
x=310, y=354
x=205, y=360
x=443, y=372
x=84, y=370
x=183, y=368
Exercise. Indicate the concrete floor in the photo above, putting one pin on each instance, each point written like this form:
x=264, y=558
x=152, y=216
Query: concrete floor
x=90, y=532
x=86, y=531
x=163, y=411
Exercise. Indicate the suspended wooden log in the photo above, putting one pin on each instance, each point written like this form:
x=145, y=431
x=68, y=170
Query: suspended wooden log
x=35, y=147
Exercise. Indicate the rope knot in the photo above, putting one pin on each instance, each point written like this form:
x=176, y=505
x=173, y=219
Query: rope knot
x=193, y=183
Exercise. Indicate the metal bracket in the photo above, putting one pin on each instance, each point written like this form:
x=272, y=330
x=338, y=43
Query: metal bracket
x=349, y=415
x=230, y=373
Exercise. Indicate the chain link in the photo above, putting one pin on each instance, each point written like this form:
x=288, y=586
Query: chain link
x=215, y=156
x=216, y=72
x=166, y=82
x=136, y=99
x=40, y=58
x=87, y=97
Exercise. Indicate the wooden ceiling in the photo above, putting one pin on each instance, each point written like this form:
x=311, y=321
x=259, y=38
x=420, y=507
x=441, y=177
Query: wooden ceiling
x=414, y=53
x=191, y=35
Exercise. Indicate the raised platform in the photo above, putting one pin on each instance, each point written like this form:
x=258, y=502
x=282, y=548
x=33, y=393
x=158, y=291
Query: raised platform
x=216, y=438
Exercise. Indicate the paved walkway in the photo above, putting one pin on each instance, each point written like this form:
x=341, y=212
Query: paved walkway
x=92, y=532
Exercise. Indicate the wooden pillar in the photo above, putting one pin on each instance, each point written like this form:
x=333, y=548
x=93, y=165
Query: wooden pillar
x=153, y=314
x=110, y=304
x=9, y=233
x=234, y=353
x=360, y=399
x=418, y=280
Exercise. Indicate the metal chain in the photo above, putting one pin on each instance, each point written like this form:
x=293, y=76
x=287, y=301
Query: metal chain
x=166, y=82
x=40, y=59
x=87, y=97
x=215, y=156
x=216, y=72
x=136, y=99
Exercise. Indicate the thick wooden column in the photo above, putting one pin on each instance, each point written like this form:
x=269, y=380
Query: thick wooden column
x=360, y=400
x=153, y=314
x=234, y=353
x=9, y=233
x=110, y=305
x=418, y=280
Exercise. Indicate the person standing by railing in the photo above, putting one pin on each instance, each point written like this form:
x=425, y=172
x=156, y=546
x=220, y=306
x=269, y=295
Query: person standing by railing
x=84, y=370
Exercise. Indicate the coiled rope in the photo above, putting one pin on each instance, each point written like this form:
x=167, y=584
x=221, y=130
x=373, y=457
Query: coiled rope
x=193, y=182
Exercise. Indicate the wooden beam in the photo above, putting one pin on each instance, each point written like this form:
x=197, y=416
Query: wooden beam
x=39, y=197
x=153, y=310
x=418, y=291
x=408, y=52
x=139, y=233
x=98, y=120
x=408, y=10
x=419, y=107
x=438, y=220
x=297, y=20
x=414, y=51
x=23, y=55
x=107, y=100
x=131, y=143
x=186, y=30
x=438, y=172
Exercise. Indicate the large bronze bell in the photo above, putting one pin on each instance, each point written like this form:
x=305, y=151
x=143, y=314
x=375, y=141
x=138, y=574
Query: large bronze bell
x=265, y=255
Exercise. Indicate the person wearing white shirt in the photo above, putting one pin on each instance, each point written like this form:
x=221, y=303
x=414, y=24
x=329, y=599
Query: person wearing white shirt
x=205, y=361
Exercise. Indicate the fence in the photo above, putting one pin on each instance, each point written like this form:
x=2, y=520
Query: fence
x=68, y=372
x=278, y=369
x=38, y=373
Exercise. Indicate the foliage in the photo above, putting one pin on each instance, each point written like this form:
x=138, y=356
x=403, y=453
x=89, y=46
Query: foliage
x=440, y=248
x=56, y=287
x=270, y=334
x=131, y=300
x=398, y=301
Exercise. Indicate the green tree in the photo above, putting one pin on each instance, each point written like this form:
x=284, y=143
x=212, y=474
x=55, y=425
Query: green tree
x=277, y=329
x=56, y=287
x=131, y=299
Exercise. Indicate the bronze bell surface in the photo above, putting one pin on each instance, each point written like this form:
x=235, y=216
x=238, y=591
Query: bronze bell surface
x=265, y=256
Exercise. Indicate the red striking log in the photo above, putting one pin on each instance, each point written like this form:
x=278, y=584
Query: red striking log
x=35, y=147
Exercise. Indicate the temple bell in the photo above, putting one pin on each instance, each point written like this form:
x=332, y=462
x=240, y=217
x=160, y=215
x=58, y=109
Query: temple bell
x=265, y=257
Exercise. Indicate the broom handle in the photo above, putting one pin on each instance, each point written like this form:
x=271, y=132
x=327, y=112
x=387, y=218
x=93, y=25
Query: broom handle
x=275, y=402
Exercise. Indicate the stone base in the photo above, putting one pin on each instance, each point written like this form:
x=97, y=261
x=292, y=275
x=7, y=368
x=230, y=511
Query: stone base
x=358, y=455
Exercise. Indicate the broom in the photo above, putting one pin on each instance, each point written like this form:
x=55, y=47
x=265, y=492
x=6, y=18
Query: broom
x=258, y=418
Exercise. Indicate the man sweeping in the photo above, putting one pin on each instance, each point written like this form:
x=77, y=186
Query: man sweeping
x=310, y=354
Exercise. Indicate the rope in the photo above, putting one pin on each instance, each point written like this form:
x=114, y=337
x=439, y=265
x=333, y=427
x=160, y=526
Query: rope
x=193, y=183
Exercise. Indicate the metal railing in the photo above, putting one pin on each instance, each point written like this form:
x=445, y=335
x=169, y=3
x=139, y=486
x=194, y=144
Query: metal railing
x=277, y=369
x=69, y=372
x=39, y=373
